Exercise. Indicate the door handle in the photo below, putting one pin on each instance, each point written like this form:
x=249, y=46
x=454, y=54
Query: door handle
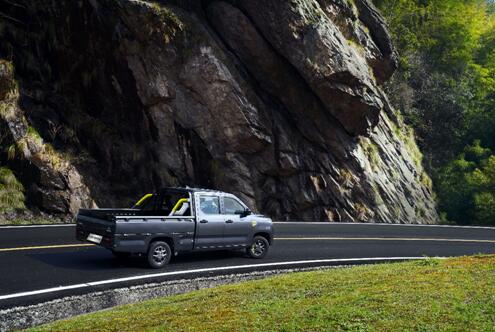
x=203, y=221
x=229, y=221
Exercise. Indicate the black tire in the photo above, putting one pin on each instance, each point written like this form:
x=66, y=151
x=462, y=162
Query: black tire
x=159, y=254
x=259, y=248
x=121, y=255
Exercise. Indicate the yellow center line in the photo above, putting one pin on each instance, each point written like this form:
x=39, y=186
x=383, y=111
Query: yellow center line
x=281, y=239
x=380, y=239
x=47, y=247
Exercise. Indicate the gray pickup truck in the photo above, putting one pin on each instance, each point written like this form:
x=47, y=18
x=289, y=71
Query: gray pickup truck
x=177, y=220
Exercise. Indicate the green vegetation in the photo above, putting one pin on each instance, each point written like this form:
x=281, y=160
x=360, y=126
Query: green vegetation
x=445, y=88
x=467, y=186
x=166, y=23
x=11, y=192
x=53, y=156
x=372, y=152
x=34, y=136
x=429, y=295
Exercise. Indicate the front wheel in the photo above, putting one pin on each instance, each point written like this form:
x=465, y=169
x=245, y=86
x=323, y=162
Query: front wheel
x=259, y=248
x=159, y=254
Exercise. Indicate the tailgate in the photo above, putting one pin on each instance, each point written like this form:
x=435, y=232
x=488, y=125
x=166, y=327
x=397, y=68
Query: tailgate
x=86, y=225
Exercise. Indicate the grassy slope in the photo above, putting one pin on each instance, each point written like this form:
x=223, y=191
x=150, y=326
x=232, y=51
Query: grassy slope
x=455, y=294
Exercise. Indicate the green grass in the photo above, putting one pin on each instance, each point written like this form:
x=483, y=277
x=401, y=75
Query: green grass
x=431, y=295
x=11, y=192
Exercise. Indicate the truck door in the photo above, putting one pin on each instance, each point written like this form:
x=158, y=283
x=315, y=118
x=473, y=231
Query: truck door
x=210, y=222
x=238, y=229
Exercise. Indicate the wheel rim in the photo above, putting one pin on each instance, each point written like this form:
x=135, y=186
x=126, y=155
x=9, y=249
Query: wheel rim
x=258, y=247
x=160, y=254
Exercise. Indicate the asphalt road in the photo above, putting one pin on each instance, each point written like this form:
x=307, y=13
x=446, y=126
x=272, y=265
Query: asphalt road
x=35, y=261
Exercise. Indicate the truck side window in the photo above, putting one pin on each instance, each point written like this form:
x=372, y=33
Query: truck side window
x=166, y=204
x=231, y=206
x=209, y=204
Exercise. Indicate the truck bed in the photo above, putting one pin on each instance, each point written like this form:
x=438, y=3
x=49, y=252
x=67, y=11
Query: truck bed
x=130, y=230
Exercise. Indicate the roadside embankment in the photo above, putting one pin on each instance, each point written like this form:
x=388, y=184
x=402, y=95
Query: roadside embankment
x=431, y=294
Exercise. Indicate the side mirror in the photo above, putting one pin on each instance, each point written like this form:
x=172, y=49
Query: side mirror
x=243, y=213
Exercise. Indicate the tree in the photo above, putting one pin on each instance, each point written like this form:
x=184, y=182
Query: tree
x=466, y=186
x=445, y=87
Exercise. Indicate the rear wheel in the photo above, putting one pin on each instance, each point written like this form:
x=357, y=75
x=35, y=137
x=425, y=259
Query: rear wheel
x=259, y=247
x=159, y=254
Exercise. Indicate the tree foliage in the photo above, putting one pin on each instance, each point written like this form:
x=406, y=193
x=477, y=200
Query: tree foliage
x=467, y=186
x=445, y=86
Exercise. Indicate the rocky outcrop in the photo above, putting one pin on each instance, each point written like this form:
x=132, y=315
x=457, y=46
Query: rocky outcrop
x=53, y=183
x=276, y=101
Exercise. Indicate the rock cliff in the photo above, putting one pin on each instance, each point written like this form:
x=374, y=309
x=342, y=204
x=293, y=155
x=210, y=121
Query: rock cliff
x=279, y=102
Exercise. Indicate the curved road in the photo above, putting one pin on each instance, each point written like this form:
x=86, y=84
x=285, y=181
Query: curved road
x=39, y=263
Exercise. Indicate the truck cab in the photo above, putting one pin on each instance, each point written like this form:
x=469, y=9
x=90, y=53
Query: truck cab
x=176, y=220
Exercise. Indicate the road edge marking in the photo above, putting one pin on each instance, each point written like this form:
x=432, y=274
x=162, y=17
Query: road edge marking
x=213, y=269
x=376, y=224
x=288, y=223
x=321, y=238
x=380, y=239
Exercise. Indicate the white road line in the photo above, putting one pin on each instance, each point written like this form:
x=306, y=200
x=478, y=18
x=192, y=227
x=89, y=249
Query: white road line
x=374, y=224
x=321, y=238
x=213, y=269
x=299, y=238
x=301, y=223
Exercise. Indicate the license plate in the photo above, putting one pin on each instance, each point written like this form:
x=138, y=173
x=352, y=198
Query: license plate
x=94, y=238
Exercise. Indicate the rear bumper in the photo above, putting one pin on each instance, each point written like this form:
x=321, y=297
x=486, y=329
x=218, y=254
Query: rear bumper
x=82, y=234
x=111, y=241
